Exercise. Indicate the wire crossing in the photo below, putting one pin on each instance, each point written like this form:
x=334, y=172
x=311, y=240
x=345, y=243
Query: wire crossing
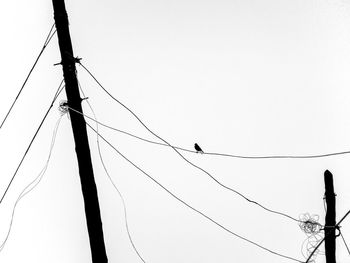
x=217, y=153
x=47, y=41
x=319, y=244
x=33, y=184
x=111, y=180
x=59, y=90
x=198, y=167
x=184, y=158
x=189, y=206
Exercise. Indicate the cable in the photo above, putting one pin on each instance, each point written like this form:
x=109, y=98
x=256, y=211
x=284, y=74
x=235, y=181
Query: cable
x=47, y=41
x=112, y=182
x=188, y=161
x=199, y=168
x=280, y=156
x=191, y=207
x=311, y=156
x=31, y=142
x=216, y=153
x=346, y=245
x=33, y=184
x=129, y=134
x=174, y=147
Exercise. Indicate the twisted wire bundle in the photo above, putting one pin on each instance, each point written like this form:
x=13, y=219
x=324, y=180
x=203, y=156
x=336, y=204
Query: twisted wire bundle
x=312, y=228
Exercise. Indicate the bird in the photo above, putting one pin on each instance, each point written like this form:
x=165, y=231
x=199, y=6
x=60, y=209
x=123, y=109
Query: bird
x=198, y=148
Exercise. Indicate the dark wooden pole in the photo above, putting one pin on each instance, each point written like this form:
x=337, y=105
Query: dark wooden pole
x=92, y=209
x=330, y=218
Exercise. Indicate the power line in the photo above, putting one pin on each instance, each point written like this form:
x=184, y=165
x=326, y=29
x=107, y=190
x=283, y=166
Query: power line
x=217, y=153
x=47, y=41
x=33, y=184
x=309, y=156
x=188, y=161
x=112, y=182
x=32, y=140
x=189, y=206
x=218, y=182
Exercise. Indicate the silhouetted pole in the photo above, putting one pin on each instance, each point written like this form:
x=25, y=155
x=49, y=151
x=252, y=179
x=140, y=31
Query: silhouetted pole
x=92, y=209
x=329, y=231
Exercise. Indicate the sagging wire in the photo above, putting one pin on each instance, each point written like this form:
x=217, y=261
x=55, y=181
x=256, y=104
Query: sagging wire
x=47, y=41
x=309, y=156
x=215, y=153
x=110, y=179
x=188, y=205
x=198, y=167
x=59, y=90
x=33, y=184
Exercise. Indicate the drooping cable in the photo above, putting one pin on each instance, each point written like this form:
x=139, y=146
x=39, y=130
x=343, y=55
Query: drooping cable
x=33, y=184
x=174, y=147
x=112, y=182
x=310, y=156
x=188, y=205
x=32, y=140
x=47, y=41
x=217, y=153
x=184, y=158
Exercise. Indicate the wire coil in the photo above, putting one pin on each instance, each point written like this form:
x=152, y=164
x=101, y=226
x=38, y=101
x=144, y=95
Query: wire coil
x=312, y=228
x=63, y=107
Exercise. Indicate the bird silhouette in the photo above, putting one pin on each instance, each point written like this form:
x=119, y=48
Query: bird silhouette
x=198, y=148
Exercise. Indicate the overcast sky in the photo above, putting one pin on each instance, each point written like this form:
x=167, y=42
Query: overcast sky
x=241, y=77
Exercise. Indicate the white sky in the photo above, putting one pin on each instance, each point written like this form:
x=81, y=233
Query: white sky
x=240, y=77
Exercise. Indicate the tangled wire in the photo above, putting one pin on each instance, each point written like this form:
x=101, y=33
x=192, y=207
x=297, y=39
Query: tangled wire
x=309, y=224
x=63, y=107
x=312, y=228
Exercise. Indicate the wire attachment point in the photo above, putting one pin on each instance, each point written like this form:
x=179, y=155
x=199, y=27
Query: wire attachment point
x=63, y=107
x=77, y=60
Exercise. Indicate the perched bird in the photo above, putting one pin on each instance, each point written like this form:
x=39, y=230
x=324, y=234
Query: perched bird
x=198, y=148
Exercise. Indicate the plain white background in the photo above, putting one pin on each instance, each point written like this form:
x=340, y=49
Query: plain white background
x=241, y=77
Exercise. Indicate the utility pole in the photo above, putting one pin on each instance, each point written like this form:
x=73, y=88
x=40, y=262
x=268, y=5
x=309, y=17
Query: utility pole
x=330, y=226
x=92, y=209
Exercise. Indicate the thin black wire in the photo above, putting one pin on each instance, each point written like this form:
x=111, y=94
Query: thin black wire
x=174, y=147
x=194, y=165
x=47, y=41
x=214, y=153
x=311, y=156
x=130, y=134
x=123, y=201
x=344, y=241
x=283, y=156
x=32, y=140
x=319, y=244
x=188, y=205
x=112, y=182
